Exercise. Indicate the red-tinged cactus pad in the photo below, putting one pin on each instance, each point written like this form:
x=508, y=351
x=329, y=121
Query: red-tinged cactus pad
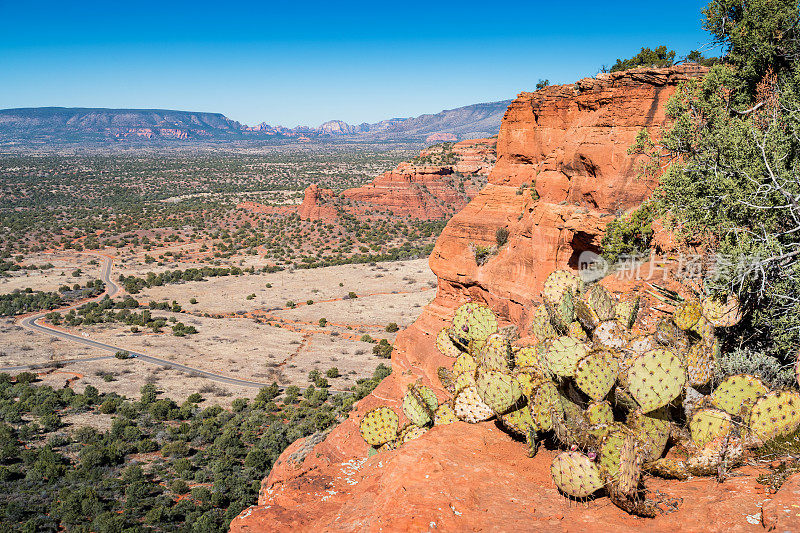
x=709, y=424
x=700, y=364
x=596, y=373
x=557, y=283
x=737, y=393
x=498, y=390
x=687, y=314
x=775, y=415
x=445, y=344
x=470, y=408
x=379, y=426
x=586, y=315
x=722, y=312
x=563, y=355
x=655, y=379
x=575, y=474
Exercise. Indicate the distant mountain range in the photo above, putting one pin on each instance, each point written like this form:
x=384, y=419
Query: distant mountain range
x=73, y=124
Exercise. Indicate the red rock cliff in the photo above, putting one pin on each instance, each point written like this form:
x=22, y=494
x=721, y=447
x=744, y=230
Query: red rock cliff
x=572, y=141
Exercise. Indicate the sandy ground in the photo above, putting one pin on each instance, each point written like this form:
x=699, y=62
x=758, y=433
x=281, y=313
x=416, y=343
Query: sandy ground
x=50, y=280
x=260, y=339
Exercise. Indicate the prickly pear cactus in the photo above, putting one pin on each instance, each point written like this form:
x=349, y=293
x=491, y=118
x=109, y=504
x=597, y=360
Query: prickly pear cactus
x=444, y=415
x=599, y=413
x=498, y=390
x=737, y=393
x=527, y=358
x=600, y=301
x=641, y=344
x=610, y=450
x=611, y=335
x=559, y=282
x=668, y=334
x=379, y=426
x=472, y=321
x=495, y=354
x=653, y=429
x=545, y=405
x=447, y=379
x=722, y=313
x=655, y=379
x=577, y=332
x=709, y=424
x=687, y=314
x=595, y=374
x=519, y=421
x=445, y=345
x=410, y=432
x=541, y=326
x=775, y=415
x=700, y=365
x=469, y=407
x=575, y=474
x=465, y=364
x=420, y=404
x=563, y=355
x=626, y=312
x=586, y=315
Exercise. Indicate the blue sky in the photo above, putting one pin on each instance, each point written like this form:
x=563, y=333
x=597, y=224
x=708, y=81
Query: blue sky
x=300, y=62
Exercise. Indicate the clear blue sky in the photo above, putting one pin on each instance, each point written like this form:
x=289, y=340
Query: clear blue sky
x=304, y=62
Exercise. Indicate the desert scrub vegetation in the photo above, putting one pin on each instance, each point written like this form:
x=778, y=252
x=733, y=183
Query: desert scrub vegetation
x=27, y=301
x=203, y=464
x=731, y=150
x=629, y=234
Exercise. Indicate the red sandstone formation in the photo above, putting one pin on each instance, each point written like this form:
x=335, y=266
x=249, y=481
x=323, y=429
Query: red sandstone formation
x=255, y=207
x=318, y=204
x=572, y=142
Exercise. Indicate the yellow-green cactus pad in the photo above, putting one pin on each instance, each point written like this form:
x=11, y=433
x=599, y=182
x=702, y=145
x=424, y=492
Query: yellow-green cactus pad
x=600, y=300
x=775, y=415
x=576, y=331
x=444, y=415
x=737, y=393
x=541, y=326
x=586, y=315
x=465, y=364
x=562, y=356
x=419, y=404
x=445, y=345
x=627, y=311
x=599, y=413
x=653, y=429
x=498, y=390
x=722, y=313
x=410, y=432
x=496, y=353
x=472, y=321
x=518, y=421
x=557, y=283
x=709, y=424
x=700, y=365
x=595, y=374
x=545, y=404
x=470, y=408
x=575, y=474
x=379, y=426
x=655, y=379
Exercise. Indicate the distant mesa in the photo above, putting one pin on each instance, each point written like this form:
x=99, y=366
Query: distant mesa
x=75, y=125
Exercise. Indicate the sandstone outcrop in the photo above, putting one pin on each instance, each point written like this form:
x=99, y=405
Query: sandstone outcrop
x=569, y=144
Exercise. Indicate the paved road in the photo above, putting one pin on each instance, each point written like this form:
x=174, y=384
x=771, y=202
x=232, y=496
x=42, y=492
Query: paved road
x=32, y=323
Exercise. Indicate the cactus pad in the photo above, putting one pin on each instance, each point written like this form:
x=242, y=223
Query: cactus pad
x=528, y=382
x=722, y=313
x=498, y=390
x=705, y=329
x=599, y=413
x=469, y=407
x=642, y=344
x=709, y=424
x=586, y=315
x=518, y=421
x=472, y=321
x=652, y=429
x=409, y=433
x=527, y=358
x=540, y=324
x=776, y=414
x=557, y=283
x=655, y=379
x=465, y=364
x=575, y=474
x=668, y=334
x=379, y=426
x=738, y=392
x=446, y=378
x=419, y=404
x=545, y=403
x=611, y=335
x=596, y=373
x=445, y=345
x=576, y=331
x=700, y=365
x=496, y=354
x=444, y=415
x=610, y=451
x=627, y=311
x=600, y=301
x=562, y=356
x=687, y=314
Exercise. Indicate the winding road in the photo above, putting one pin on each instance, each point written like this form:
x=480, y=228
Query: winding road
x=32, y=323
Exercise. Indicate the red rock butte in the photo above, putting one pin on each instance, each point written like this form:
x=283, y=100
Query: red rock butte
x=570, y=142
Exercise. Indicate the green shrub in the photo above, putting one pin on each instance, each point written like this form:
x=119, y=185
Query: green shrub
x=392, y=327
x=629, y=234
